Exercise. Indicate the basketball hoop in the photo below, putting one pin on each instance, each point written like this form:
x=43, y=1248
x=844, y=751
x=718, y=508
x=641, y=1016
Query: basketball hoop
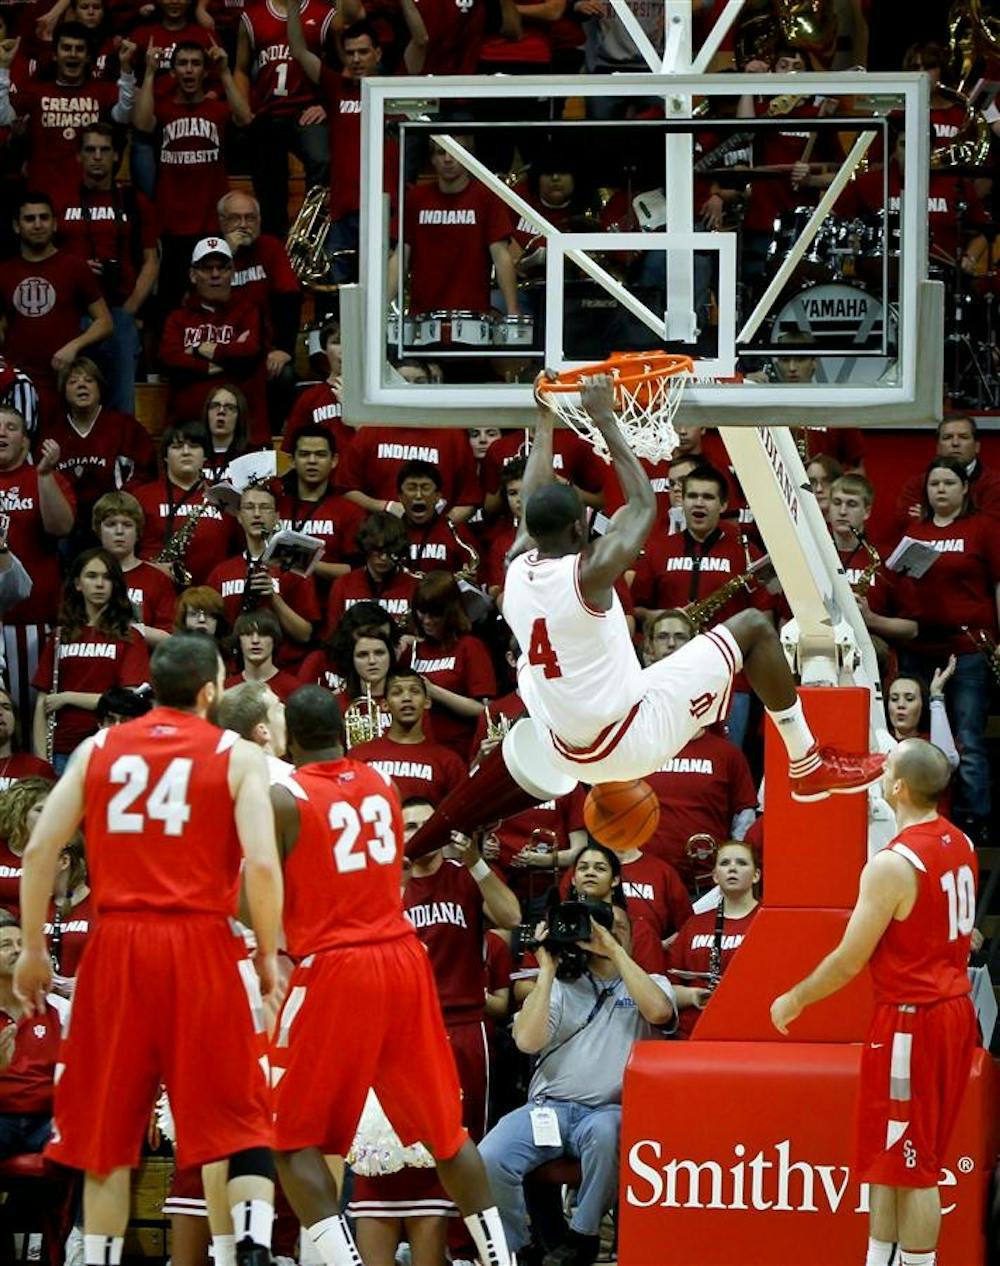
x=648, y=388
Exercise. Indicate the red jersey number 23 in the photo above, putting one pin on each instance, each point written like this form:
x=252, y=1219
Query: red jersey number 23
x=362, y=833
x=540, y=651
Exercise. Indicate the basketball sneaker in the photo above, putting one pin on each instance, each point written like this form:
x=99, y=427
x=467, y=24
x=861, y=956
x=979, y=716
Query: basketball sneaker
x=827, y=771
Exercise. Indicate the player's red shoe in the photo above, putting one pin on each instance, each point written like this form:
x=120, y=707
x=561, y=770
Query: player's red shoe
x=837, y=773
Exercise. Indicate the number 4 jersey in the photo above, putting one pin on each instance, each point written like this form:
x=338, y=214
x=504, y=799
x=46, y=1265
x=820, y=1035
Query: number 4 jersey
x=158, y=817
x=924, y=958
x=578, y=670
x=343, y=877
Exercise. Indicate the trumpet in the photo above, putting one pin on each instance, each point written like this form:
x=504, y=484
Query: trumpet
x=363, y=719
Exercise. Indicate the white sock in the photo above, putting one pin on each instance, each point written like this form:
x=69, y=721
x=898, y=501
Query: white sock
x=308, y=1252
x=796, y=736
x=252, y=1220
x=223, y=1250
x=488, y=1236
x=879, y=1252
x=334, y=1242
x=103, y=1250
x=909, y=1258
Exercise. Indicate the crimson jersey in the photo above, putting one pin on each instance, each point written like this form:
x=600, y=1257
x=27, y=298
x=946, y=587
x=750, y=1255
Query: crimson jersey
x=27, y=1082
x=418, y=769
x=32, y=544
x=152, y=596
x=446, y=909
x=449, y=236
x=960, y=589
x=92, y=663
x=463, y=667
x=191, y=171
x=700, y=789
x=319, y=406
x=57, y=114
x=278, y=84
x=166, y=506
x=692, y=951
x=115, y=452
x=375, y=456
x=156, y=838
x=44, y=302
x=343, y=876
x=924, y=958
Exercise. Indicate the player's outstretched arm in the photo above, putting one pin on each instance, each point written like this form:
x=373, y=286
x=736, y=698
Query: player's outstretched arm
x=610, y=555
x=888, y=886
x=538, y=471
x=262, y=880
x=56, y=826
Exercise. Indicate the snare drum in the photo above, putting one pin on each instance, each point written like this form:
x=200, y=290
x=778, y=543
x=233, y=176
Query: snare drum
x=879, y=237
x=409, y=329
x=816, y=264
x=448, y=328
x=839, y=316
x=514, y=331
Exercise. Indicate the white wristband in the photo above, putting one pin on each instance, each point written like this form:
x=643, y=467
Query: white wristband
x=480, y=871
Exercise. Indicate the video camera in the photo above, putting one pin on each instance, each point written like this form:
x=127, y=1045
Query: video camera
x=568, y=923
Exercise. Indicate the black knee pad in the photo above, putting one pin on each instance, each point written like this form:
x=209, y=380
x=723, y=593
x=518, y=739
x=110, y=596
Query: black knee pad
x=253, y=1162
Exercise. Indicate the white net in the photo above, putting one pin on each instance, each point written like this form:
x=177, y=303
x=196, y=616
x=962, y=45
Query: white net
x=646, y=403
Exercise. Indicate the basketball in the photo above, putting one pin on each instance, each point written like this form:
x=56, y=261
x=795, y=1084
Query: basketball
x=621, y=815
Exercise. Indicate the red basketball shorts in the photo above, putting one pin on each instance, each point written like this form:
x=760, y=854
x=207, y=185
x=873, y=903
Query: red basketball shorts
x=472, y=1061
x=186, y=1195
x=914, y=1072
x=408, y=1193
x=169, y=999
x=359, y=1017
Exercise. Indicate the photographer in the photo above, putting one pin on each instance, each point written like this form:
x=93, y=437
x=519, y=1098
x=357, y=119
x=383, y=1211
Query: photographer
x=581, y=1024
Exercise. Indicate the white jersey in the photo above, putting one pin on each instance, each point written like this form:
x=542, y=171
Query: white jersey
x=578, y=672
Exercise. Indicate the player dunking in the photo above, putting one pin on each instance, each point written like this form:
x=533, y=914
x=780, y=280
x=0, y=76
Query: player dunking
x=171, y=806
x=912, y=925
x=361, y=1005
x=609, y=719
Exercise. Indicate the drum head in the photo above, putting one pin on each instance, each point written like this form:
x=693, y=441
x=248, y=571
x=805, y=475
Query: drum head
x=839, y=317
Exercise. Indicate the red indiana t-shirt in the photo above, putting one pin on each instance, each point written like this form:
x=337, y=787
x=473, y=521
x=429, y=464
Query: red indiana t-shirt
x=116, y=452
x=28, y=1081
x=318, y=669
x=44, y=302
x=108, y=224
x=20, y=765
x=572, y=459
x=692, y=950
x=299, y=592
x=75, y=927
x=359, y=586
x=90, y=663
x=282, y=683
x=10, y=876
x=158, y=817
x=152, y=596
x=334, y=520
x=449, y=236
x=417, y=769
x=165, y=507
x=700, y=789
x=554, y=820
x=465, y=668
x=333, y=897
x=262, y=270
x=375, y=456
x=924, y=958
x=319, y=406
x=29, y=541
x=446, y=909
x=960, y=587
x=191, y=169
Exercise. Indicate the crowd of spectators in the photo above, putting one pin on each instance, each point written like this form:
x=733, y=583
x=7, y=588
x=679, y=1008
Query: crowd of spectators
x=144, y=159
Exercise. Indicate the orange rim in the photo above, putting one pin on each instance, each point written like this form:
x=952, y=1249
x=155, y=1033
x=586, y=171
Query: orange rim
x=650, y=367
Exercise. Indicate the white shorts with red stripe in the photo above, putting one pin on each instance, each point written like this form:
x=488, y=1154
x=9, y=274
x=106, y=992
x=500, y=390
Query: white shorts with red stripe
x=684, y=693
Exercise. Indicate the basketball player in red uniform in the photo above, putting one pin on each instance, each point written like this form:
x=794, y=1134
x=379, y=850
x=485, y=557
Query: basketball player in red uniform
x=912, y=925
x=362, y=1003
x=172, y=807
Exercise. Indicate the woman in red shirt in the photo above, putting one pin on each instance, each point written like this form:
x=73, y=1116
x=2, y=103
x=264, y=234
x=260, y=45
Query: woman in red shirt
x=92, y=648
x=953, y=603
x=366, y=657
x=455, y=665
x=20, y=805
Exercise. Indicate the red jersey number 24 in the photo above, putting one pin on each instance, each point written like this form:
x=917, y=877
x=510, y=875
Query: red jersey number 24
x=364, y=833
x=166, y=803
x=540, y=651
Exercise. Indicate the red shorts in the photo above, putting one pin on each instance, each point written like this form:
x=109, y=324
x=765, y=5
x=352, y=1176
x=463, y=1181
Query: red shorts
x=365, y=1016
x=410, y=1193
x=472, y=1060
x=169, y=999
x=186, y=1195
x=914, y=1072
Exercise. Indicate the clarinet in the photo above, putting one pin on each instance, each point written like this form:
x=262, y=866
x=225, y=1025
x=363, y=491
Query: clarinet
x=51, y=719
x=715, y=952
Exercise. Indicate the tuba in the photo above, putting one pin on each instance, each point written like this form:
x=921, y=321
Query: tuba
x=306, y=241
x=808, y=25
x=971, y=146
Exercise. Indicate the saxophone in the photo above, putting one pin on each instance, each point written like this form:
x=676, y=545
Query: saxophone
x=363, y=720
x=703, y=611
x=175, y=548
x=865, y=581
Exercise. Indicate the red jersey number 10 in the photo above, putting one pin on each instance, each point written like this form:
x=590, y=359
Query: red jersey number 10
x=362, y=834
x=540, y=652
x=959, y=888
